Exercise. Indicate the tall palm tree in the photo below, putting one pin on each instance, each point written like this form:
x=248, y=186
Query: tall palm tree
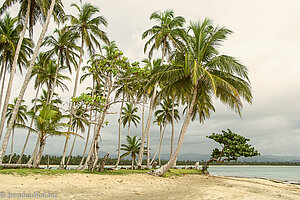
x=10, y=34
x=49, y=11
x=20, y=121
x=167, y=33
x=131, y=148
x=129, y=116
x=90, y=33
x=64, y=47
x=205, y=73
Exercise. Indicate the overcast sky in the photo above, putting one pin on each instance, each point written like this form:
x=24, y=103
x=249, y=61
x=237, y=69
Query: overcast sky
x=266, y=39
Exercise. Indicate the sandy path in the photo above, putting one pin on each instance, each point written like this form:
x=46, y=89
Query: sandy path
x=142, y=186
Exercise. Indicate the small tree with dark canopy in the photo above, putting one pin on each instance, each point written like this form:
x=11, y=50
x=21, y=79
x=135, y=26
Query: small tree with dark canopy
x=233, y=147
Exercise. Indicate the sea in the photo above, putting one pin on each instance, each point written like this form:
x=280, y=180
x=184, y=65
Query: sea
x=290, y=174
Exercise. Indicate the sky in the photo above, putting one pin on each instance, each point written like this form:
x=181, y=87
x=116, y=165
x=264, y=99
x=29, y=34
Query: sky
x=266, y=39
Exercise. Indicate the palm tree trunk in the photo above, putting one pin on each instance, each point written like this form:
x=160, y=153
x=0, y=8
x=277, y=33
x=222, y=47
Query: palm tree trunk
x=132, y=162
x=119, y=138
x=89, y=131
x=160, y=143
x=3, y=83
x=94, y=145
x=170, y=163
x=12, y=75
x=146, y=132
x=160, y=133
x=40, y=153
x=128, y=128
x=31, y=124
x=147, y=129
x=72, y=148
x=34, y=153
x=62, y=163
x=143, y=114
x=55, y=79
x=12, y=146
x=172, y=136
x=25, y=83
x=1, y=74
x=90, y=152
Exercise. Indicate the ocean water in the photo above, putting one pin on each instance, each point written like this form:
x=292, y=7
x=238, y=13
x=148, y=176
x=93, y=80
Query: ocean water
x=283, y=173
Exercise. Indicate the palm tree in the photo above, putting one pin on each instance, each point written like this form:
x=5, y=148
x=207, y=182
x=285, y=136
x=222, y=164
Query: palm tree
x=49, y=11
x=90, y=33
x=64, y=47
x=131, y=148
x=20, y=121
x=129, y=116
x=48, y=123
x=204, y=74
x=167, y=33
x=9, y=34
x=39, y=103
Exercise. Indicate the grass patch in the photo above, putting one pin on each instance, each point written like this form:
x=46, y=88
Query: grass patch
x=181, y=172
x=29, y=171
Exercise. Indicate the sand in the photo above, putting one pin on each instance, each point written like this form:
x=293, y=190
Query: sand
x=143, y=186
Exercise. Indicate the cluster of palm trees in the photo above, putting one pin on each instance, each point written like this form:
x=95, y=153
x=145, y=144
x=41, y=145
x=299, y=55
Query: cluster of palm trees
x=190, y=73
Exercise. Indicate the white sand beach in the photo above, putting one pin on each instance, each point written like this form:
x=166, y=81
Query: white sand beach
x=143, y=186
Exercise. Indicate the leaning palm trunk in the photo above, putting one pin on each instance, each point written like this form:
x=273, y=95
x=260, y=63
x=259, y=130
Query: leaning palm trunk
x=119, y=138
x=87, y=140
x=40, y=153
x=172, y=136
x=34, y=153
x=160, y=143
x=95, y=147
x=146, y=132
x=72, y=148
x=170, y=163
x=55, y=79
x=26, y=81
x=160, y=133
x=31, y=124
x=92, y=157
x=3, y=81
x=12, y=75
x=12, y=146
x=62, y=162
x=2, y=86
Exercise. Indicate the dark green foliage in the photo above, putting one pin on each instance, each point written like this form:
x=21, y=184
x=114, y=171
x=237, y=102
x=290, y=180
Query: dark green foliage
x=233, y=147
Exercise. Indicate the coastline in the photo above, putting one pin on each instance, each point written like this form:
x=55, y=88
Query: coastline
x=143, y=186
